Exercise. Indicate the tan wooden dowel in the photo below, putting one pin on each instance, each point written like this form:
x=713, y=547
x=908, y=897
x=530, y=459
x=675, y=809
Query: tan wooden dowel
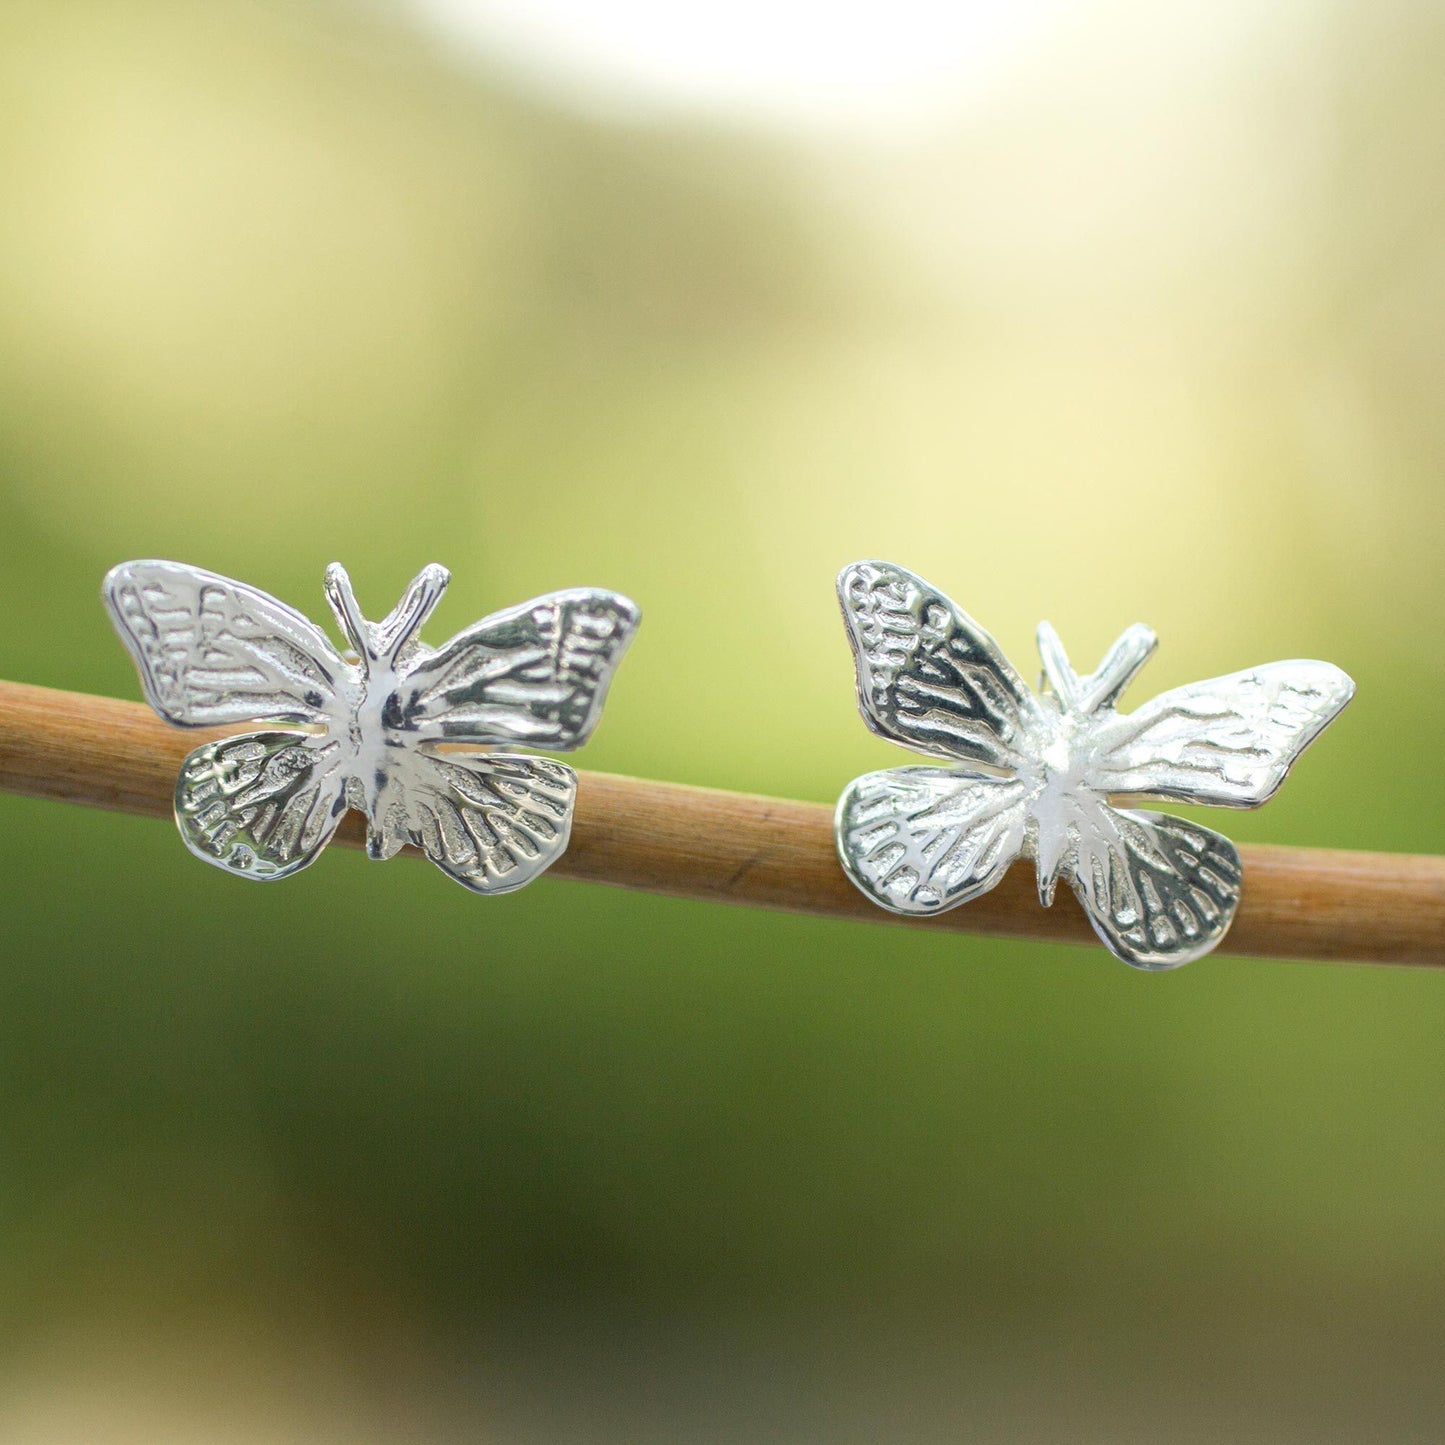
x=1308, y=903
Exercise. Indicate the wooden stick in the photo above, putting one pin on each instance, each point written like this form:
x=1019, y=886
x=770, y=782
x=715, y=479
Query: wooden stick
x=766, y=852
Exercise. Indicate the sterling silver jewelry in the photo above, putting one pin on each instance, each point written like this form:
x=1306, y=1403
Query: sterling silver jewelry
x=1033, y=774
x=368, y=730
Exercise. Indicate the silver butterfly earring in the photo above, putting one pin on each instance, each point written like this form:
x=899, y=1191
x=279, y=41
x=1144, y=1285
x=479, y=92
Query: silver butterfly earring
x=1033, y=775
x=367, y=730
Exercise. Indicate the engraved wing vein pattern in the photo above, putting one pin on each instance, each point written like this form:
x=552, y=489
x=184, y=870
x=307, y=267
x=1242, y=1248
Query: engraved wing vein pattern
x=1158, y=890
x=536, y=674
x=928, y=676
x=1227, y=742
x=927, y=839
x=263, y=804
x=492, y=823
x=213, y=652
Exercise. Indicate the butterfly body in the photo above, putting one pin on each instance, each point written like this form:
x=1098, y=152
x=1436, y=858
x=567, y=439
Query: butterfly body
x=1039, y=774
x=262, y=805
x=1056, y=780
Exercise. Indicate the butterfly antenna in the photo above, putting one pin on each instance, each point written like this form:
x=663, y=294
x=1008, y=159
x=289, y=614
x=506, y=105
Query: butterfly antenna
x=1120, y=666
x=1060, y=675
x=342, y=598
x=417, y=604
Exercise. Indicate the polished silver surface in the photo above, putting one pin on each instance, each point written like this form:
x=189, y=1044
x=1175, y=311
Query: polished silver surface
x=1037, y=775
x=367, y=730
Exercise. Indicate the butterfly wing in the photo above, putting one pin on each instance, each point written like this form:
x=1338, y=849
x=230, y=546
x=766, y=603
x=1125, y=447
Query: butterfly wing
x=213, y=652
x=920, y=840
x=493, y=822
x=1227, y=742
x=1159, y=891
x=536, y=674
x=261, y=805
x=929, y=676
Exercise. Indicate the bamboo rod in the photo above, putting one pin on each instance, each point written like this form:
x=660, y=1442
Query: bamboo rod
x=1306, y=903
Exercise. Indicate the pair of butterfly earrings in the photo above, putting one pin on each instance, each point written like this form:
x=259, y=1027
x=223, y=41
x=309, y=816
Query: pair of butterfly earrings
x=419, y=740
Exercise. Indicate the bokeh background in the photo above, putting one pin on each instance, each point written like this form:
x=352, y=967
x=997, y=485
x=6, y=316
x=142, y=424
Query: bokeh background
x=1103, y=312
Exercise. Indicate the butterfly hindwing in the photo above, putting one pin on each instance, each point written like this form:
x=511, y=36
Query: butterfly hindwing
x=536, y=674
x=493, y=822
x=930, y=677
x=261, y=805
x=1160, y=891
x=1227, y=742
x=920, y=840
x=214, y=652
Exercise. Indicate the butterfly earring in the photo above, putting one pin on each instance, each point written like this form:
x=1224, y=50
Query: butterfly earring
x=367, y=730
x=1020, y=774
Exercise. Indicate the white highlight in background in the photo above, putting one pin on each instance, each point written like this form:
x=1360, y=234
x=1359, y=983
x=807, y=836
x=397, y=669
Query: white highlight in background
x=795, y=62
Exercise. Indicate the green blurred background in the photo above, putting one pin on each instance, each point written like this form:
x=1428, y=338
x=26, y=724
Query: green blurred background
x=1149, y=325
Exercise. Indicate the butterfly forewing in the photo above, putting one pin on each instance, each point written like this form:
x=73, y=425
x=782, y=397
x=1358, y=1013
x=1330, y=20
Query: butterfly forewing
x=928, y=676
x=214, y=652
x=262, y=805
x=919, y=840
x=536, y=674
x=1158, y=890
x=1227, y=742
